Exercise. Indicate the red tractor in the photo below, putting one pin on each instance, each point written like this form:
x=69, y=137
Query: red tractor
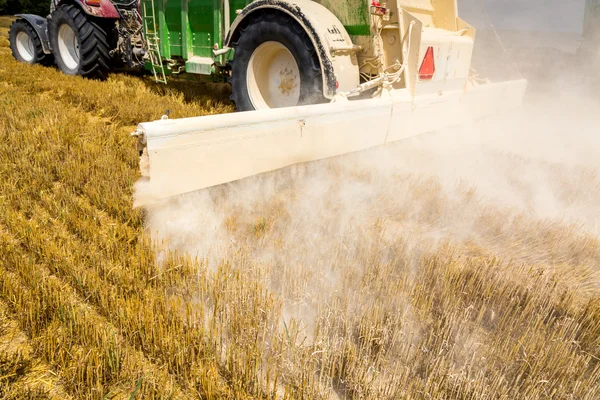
x=83, y=37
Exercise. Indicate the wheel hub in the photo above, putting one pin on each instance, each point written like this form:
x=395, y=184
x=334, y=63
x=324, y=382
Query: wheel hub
x=287, y=81
x=25, y=46
x=68, y=46
x=273, y=77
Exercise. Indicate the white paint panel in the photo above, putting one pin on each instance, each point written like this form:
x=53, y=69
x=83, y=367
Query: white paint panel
x=193, y=153
x=452, y=54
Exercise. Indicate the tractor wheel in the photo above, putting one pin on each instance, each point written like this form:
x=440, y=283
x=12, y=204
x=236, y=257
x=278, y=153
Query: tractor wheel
x=26, y=45
x=275, y=65
x=80, y=43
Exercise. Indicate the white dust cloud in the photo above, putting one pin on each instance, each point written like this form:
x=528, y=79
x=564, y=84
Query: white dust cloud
x=340, y=239
x=308, y=222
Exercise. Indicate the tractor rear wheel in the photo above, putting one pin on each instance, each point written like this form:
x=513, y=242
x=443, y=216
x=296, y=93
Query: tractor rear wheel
x=26, y=45
x=275, y=64
x=80, y=43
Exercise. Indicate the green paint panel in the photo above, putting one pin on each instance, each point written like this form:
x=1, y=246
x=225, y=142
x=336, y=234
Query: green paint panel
x=165, y=48
x=186, y=34
x=358, y=30
x=173, y=21
x=187, y=28
x=353, y=14
x=236, y=5
x=202, y=27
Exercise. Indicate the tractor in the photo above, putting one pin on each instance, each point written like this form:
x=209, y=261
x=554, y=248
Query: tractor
x=87, y=37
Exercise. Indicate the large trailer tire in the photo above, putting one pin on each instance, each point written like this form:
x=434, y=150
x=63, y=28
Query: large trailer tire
x=25, y=44
x=80, y=43
x=275, y=64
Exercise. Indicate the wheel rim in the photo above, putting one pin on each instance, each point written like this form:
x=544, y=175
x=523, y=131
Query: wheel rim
x=68, y=46
x=25, y=46
x=273, y=77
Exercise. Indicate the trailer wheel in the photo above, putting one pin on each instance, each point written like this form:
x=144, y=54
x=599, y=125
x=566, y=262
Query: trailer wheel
x=275, y=65
x=26, y=45
x=80, y=43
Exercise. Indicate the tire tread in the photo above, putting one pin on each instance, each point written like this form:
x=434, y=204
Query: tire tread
x=283, y=26
x=93, y=36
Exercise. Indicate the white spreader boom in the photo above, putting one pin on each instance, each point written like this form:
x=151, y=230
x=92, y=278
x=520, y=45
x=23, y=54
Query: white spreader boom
x=183, y=155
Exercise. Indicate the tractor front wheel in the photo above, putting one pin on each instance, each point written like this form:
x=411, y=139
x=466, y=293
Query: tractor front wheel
x=275, y=64
x=80, y=43
x=26, y=45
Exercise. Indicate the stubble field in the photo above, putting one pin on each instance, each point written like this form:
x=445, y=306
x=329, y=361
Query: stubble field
x=440, y=268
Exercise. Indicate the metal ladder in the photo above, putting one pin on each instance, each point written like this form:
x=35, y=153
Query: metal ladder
x=153, y=41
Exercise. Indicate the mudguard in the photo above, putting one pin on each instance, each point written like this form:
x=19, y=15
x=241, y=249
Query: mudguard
x=340, y=72
x=40, y=26
x=106, y=9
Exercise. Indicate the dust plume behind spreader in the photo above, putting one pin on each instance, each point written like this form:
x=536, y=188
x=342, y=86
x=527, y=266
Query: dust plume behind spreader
x=399, y=70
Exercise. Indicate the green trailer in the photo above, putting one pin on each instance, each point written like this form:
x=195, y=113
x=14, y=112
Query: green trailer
x=308, y=48
x=191, y=34
x=188, y=36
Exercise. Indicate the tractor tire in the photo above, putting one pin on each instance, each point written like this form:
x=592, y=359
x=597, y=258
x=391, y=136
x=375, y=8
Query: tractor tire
x=275, y=64
x=80, y=43
x=26, y=45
